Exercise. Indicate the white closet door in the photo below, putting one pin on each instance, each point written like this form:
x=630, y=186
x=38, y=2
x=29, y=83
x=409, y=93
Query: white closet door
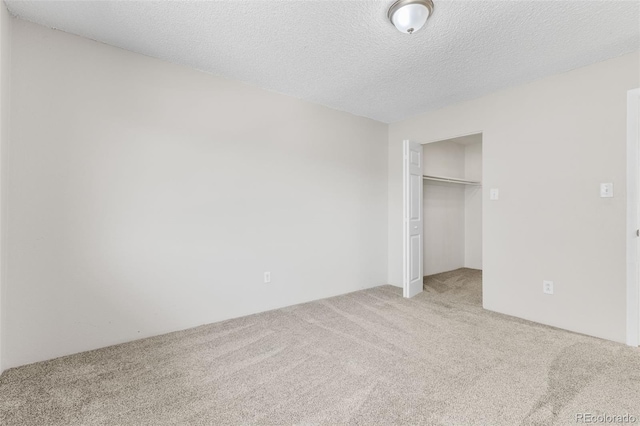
x=413, y=219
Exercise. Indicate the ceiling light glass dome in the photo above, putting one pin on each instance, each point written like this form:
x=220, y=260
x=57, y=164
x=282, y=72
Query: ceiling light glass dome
x=408, y=16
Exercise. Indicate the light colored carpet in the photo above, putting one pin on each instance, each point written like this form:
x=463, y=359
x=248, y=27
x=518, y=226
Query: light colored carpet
x=369, y=357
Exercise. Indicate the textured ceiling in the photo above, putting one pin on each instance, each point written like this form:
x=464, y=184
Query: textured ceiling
x=346, y=55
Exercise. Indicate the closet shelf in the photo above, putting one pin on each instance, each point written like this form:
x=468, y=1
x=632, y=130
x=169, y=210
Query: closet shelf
x=451, y=180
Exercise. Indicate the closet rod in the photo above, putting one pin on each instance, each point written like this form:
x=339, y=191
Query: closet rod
x=451, y=180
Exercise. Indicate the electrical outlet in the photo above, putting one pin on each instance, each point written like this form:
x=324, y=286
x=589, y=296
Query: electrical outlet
x=547, y=287
x=267, y=277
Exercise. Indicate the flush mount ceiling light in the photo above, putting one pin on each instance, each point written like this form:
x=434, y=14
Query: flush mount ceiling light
x=409, y=16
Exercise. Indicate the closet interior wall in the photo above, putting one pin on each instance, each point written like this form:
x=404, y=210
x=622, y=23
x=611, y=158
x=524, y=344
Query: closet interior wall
x=452, y=212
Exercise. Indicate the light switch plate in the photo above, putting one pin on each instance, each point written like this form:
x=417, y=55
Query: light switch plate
x=494, y=194
x=606, y=190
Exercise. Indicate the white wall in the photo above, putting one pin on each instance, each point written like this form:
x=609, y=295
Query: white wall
x=547, y=146
x=146, y=197
x=5, y=85
x=452, y=212
x=444, y=158
x=444, y=208
x=473, y=207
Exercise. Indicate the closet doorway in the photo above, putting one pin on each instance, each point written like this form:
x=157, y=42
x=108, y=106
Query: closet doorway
x=451, y=215
x=452, y=212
